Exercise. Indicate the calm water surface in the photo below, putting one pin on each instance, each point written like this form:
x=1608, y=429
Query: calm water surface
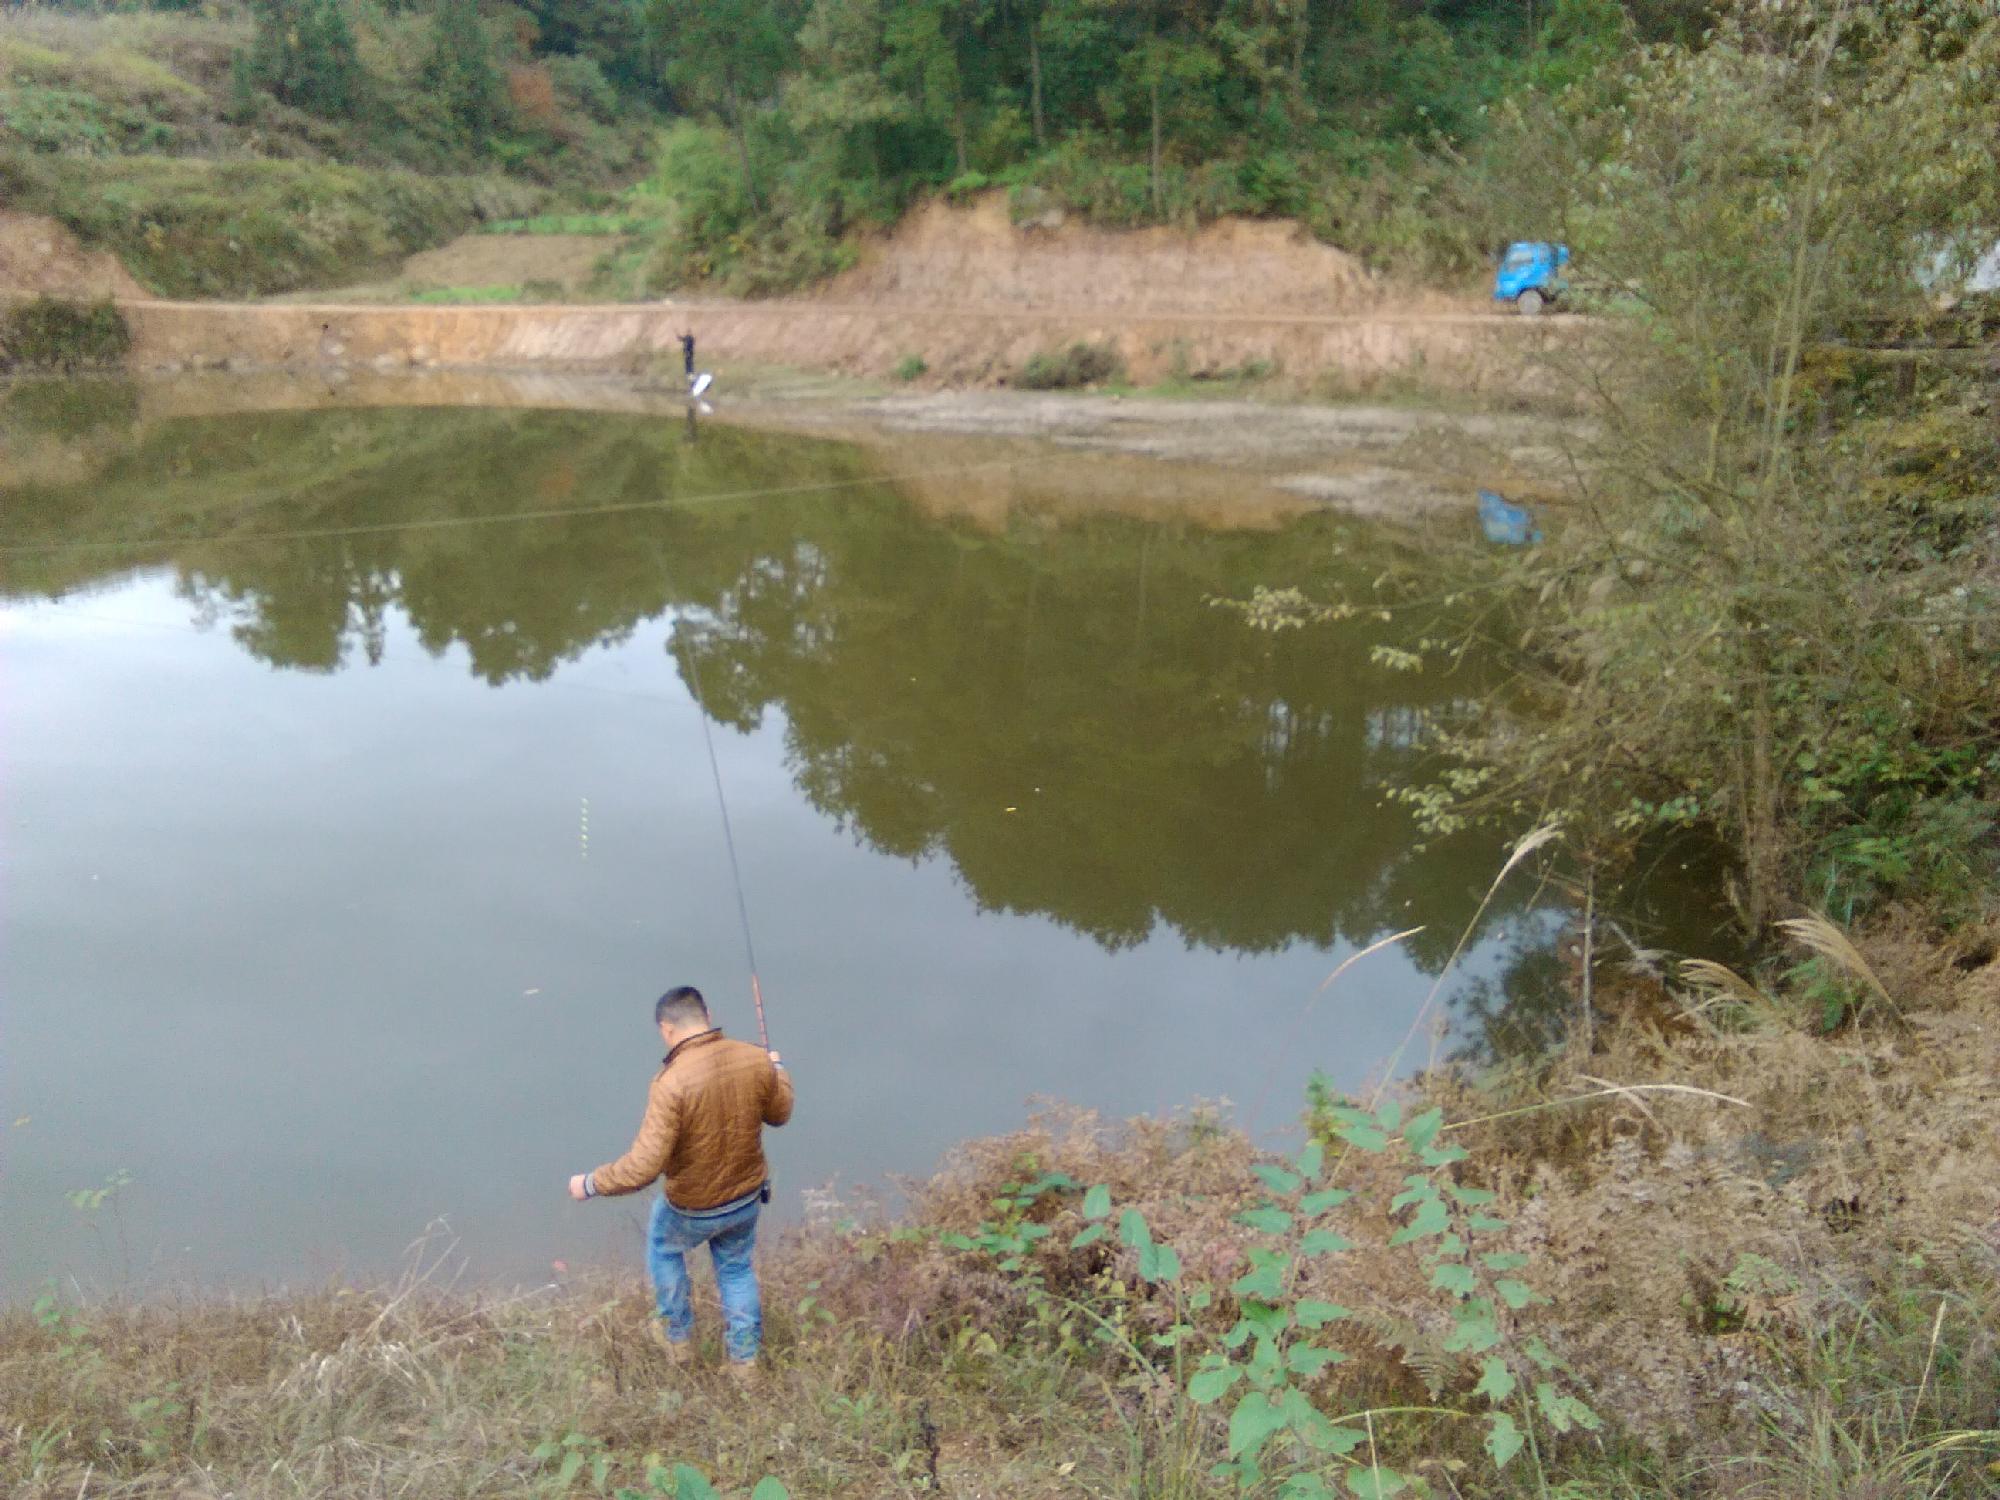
x=355, y=814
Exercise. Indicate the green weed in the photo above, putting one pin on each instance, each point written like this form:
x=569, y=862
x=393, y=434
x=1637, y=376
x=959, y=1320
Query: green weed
x=1078, y=365
x=51, y=333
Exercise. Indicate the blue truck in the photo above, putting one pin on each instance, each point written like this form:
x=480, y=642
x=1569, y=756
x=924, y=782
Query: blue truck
x=1530, y=275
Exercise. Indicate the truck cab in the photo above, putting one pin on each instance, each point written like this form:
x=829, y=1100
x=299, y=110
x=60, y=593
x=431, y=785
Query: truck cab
x=1530, y=275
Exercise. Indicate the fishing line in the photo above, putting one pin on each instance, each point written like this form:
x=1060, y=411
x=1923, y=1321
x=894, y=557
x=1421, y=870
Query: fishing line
x=439, y=523
x=728, y=840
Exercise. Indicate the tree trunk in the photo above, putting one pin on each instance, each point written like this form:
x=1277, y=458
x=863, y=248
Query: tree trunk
x=1035, y=78
x=958, y=133
x=741, y=130
x=1159, y=204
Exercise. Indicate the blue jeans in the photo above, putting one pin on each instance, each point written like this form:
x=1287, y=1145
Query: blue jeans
x=730, y=1232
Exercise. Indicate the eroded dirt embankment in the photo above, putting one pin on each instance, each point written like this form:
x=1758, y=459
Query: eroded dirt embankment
x=963, y=294
x=1466, y=354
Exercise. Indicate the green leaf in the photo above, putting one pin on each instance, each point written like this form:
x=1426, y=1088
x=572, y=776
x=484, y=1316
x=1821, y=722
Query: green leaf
x=1277, y=1179
x=1365, y=1138
x=1564, y=1412
x=1132, y=1229
x=1375, y=1484
x=1313, y=1314
x=1538, y=1352
x=1097, y=1202
x=1422, y=1128
x=1507, y=1261
x=1496, y=1382
x=1422, y=1192
x=1308, y=1423
x=572, y=1465
x=1267, y=1281
x=1310, y=1160
x=1503, y=1438
x=544, y=1451
x=1252, y=1423
x=692, y=1484
x=1237, y=1336
x=1324, y=1242
x=1159, y=1263
x=1459, y=1280
x=1304, y=1487
x=1090, y=1234
x=1472, y=1197
x=1308, y=1360
x=1390, y=1115
x=1266, y=1368
x=1265, y=1220
x=768, y=1488
x=1209, y=1386
x=1516, y=1294
x=1432, y=1217
x=1476, y=1330
x=1443, y=1156
x=1320, y=1202
x=1266, y=1317
x=1485, y=1224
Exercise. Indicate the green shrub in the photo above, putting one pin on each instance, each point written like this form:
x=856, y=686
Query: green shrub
x=1078, y=365
x=910, y=367
x=50, y=333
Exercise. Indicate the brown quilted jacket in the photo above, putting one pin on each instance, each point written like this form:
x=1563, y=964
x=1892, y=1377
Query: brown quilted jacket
x=704, y=1125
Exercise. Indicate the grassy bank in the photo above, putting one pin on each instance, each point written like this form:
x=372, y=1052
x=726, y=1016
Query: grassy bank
x=1760, y=1262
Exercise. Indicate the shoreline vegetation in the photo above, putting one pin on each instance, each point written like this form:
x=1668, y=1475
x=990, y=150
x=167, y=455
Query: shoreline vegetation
x=1735, y=1233
x=1705, y=1250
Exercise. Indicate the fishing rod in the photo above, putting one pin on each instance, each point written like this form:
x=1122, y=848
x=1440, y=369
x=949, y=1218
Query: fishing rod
x=728, y=839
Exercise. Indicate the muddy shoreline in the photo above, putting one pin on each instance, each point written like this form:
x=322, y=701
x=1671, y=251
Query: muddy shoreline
x=1240, y=459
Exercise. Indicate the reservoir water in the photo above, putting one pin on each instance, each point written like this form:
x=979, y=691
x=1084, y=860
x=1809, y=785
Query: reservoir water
x=356, y=808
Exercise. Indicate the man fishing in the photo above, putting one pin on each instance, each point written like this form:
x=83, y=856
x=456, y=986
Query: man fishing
x=703, y=1133
x=687, y=355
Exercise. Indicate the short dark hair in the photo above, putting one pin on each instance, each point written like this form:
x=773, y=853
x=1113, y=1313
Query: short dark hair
x=682, y=1005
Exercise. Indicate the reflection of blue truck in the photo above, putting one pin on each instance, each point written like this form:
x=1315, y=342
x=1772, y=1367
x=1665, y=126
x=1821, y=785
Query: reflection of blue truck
x=1530, y=275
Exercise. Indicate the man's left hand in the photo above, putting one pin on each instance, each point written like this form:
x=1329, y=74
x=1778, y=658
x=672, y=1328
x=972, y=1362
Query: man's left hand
x=576, y=1188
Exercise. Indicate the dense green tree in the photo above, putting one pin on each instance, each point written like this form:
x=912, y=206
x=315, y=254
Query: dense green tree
x=726, y=57
x=460, y=70
x=611, y=33
x=303, y=54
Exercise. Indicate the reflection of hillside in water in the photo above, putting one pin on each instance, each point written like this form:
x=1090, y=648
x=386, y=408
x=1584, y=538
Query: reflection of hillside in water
x=1058, y=710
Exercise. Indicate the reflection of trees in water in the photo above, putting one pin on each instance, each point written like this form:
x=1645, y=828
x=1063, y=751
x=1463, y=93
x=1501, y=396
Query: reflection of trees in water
x=1527, y=1004
x=1061, y=714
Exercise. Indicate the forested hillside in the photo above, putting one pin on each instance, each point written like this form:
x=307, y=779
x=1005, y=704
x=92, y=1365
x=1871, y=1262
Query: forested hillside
x=241, y=146
x=1351, y=115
